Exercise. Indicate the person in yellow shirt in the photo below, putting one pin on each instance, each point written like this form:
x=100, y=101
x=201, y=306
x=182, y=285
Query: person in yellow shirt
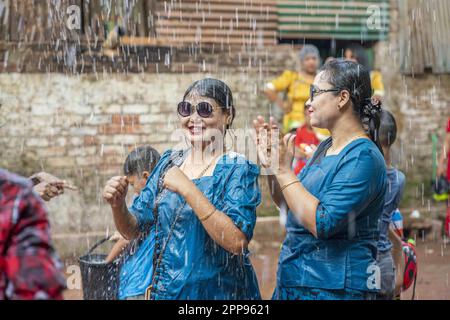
x=296, y=85
x=357, y=53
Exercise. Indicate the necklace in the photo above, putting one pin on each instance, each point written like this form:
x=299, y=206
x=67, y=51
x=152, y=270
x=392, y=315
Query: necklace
x=332, y=149
x=205, y=169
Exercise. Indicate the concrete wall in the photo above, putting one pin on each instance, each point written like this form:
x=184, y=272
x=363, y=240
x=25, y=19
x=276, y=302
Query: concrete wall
x=82, y=128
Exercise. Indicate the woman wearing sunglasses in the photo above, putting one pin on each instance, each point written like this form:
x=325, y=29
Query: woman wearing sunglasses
x=337, y=199
x=202, y=203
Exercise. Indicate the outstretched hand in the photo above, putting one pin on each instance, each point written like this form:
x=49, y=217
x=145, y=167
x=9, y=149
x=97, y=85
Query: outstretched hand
x=48, y=186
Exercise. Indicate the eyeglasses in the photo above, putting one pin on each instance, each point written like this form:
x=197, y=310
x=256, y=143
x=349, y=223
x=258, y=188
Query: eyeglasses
x=314, y=91
x=204, y=109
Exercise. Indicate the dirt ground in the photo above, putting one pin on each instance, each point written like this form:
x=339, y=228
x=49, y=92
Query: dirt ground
x=432, y=281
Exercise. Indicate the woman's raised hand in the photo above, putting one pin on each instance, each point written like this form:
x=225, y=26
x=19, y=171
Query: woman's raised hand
x=275, y=152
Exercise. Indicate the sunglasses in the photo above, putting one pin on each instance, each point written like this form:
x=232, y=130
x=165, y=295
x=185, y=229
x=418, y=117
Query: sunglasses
x=314, y=91
x=204, y=109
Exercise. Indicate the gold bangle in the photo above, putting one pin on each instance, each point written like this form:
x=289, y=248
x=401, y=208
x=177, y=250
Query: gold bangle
x=290, y=183
x=204, y=218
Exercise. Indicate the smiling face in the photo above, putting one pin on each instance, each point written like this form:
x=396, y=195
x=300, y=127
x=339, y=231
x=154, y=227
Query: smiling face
x=323, y=110
x=199, y=129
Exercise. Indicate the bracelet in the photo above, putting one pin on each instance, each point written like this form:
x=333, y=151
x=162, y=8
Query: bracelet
x=205, y=217
x=290, y=183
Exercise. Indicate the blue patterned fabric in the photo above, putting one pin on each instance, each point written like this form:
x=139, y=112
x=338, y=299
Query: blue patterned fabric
x=350, y=187
x=193, y=266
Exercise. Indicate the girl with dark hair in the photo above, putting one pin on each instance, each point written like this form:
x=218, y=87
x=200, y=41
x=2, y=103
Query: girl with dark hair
x=202, y=203
x=134, y=275
x=336, y=201
x=389, y=245
x=357, y=53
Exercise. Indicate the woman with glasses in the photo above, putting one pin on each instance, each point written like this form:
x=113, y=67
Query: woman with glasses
x=337, y=199
x=202, y=203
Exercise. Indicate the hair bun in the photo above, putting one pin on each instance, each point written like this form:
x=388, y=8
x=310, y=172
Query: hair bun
x=375, y=102
x=371, y=108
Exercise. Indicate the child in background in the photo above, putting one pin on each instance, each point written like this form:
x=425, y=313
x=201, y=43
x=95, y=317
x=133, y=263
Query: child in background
x=389, y=244
x=134, y=278
x=305, y=135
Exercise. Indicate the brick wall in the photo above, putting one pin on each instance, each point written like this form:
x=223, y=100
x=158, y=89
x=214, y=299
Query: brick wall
x=81, y=126
x=421, y=105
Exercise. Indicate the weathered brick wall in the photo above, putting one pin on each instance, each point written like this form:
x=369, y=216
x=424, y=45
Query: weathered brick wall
x=421, y=105
x=81, y=126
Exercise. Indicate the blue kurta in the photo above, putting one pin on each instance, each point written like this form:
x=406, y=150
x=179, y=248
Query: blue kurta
x=193, y=266
x=341, y=261
x=394, y=192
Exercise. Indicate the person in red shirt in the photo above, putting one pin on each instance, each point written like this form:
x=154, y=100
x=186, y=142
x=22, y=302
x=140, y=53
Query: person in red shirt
x=29, y=266
x=305, y=135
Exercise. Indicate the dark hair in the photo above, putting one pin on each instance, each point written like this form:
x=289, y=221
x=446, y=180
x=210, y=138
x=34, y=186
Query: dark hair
x=388, y=129
x=355, y=78
x=360, y=54
x=141, y=159
x=216, y=90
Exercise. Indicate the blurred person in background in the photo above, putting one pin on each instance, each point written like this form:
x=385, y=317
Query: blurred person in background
x=296, y=85
x=357, y=53
x=29, y=266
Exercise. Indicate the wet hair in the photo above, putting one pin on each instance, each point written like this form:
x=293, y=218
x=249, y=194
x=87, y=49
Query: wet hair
x=388, y=129
x=216, y=90
x=309, y=50
x=355, y=78
x=141, y=159
x=360, y=55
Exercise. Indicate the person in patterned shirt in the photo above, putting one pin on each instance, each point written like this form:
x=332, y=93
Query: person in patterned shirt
x=29, y=266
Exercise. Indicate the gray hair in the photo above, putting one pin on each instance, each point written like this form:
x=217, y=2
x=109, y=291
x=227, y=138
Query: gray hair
x=309, y=50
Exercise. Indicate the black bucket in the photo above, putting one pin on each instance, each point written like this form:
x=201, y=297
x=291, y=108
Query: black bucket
x=100, y=279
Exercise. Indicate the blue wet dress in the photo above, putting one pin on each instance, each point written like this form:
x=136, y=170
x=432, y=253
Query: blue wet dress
x=192, y=265
x=137, y=267
x=341, y=262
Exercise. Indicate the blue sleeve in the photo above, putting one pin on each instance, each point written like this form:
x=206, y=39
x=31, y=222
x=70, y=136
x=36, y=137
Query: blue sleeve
x=401, y=188
x=356, y=183
x=142, y=206
x=241, y=197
